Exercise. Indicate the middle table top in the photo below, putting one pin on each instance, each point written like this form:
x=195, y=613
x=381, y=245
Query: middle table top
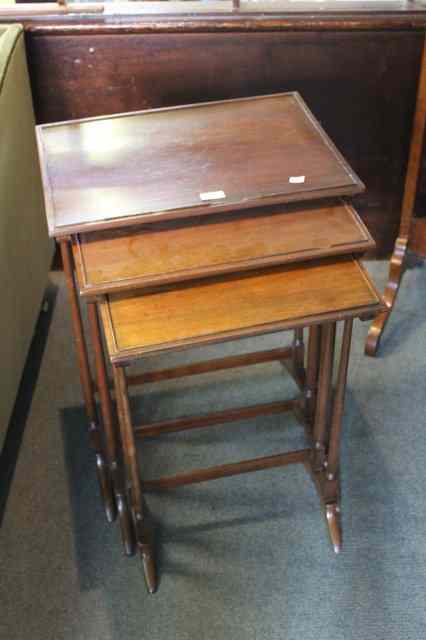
x=177, y=162
x=145, y=256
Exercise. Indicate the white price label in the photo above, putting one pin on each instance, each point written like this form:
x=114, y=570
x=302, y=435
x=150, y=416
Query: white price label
x=212, y=195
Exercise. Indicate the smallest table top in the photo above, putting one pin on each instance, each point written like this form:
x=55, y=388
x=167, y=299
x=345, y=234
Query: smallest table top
x=237, y=306
x=177, y=162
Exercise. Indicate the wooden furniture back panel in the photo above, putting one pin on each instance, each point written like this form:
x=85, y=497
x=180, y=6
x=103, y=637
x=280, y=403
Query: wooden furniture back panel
x=349, y=80
x=233, y=306
x=183, y=250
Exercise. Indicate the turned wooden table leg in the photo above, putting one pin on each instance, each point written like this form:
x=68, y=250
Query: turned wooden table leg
x=295, y=366
x=331, y=481
x=312, y=370
x=144, y=538
x=322, y=410
x=298, y=359
x=398, y=257
x=110, y=431
x=87, y=385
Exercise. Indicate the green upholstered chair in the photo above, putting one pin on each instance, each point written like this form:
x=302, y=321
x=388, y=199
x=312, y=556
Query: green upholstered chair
x=25, y=251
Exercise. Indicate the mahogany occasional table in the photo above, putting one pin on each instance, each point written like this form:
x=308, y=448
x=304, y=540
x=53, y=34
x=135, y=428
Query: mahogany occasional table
x=314, y=295
x=149, y=205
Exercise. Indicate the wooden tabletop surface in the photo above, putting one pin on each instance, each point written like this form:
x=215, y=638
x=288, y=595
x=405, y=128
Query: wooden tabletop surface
x=177, y=250
x=231, y=307
x=196, y=159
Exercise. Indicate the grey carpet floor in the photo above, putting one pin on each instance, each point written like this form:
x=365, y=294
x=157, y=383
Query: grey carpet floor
x=242, y=558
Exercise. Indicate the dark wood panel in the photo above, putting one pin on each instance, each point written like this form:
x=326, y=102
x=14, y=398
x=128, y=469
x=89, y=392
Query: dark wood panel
x=349, y=80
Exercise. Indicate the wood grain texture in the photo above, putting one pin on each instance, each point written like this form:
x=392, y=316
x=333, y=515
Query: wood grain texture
x=235, y=306
x=158, y=164
x=108, y=261
x=349, y=79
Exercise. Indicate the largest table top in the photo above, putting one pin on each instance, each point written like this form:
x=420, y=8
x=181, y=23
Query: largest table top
x=182, y=161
